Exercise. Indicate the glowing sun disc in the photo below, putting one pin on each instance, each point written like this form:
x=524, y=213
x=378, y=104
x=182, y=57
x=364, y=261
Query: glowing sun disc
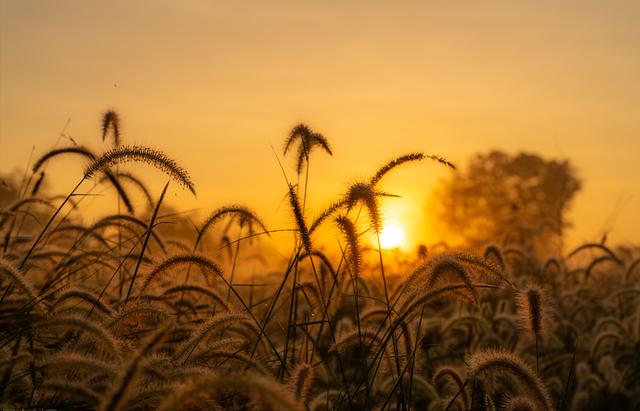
x=391, y=236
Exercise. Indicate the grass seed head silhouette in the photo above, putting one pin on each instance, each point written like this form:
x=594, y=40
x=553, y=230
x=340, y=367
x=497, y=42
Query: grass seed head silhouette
x=301, y=335
x=42, y=160
x=364, y=193
x=156, y=158
x=89, y=155
x=243, y=215
x=307, y=141
x=519, y=403
x=181, y=259
x=299, y=217
x=494, y=362
x=534, y=310
x=392, y=164
x=111, y=122
x=301, y=381
x=348, y=229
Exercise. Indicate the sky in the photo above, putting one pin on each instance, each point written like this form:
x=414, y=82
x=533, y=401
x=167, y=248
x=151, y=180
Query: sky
x=218, y=85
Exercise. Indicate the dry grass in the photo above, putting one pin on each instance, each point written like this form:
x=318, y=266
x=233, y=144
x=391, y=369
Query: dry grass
x=122, y=314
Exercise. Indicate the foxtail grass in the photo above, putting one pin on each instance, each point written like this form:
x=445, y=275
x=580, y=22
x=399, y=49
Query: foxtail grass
x=495, y=362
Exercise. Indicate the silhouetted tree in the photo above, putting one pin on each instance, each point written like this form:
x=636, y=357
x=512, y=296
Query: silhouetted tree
x=516, y=200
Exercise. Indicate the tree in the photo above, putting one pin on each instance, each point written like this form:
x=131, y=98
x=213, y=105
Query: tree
x=518, y=200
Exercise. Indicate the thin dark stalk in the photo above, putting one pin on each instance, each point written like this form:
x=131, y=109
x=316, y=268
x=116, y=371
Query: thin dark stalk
x=146, y=241
x=104, y=289
x=413, y=359
x=386, y=297
x=290, y=320
x=354, y=286
x=55, y=214
x=274, y=300
x=397, y=383
x=403, y=316
x=566, y=386
x=456, y=396
x=473, y=393
x=235, y=263
x=326, y=306
x=9, y=369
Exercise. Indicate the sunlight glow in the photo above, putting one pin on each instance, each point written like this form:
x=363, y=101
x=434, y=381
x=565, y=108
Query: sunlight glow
x=392, y=236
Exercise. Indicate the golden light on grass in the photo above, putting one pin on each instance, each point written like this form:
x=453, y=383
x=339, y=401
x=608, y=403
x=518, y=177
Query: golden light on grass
x=113, y=293
x=392, y=235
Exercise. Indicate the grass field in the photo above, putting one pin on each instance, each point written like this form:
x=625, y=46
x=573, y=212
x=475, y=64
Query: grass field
x=119, y=313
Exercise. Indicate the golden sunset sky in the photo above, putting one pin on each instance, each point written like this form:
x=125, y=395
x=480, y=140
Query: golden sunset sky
x=217, y=84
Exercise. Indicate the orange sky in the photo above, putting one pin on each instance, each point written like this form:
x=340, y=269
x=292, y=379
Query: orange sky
x=216, y=84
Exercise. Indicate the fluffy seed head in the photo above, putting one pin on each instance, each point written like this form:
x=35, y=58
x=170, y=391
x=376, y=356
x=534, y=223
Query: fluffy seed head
x=37, y=184
x=493, y=252
x=111, y=122
x=519, y=403
x=364, y=193
x=494, y=362
x=308, y=140
x=382, y=171
x=533, y=310
x=83, y=151
x=10, y=271
x=242, y=214
x=156, y=158
x=393, y=164
x=301, y=381
x=347, y=228
x=181, y=259
x=447, y=264
x=302, y=226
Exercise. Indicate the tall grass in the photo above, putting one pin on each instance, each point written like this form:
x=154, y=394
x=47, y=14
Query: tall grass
x=123, y=313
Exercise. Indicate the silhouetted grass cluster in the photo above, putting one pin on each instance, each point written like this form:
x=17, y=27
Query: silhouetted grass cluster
x=116, y=315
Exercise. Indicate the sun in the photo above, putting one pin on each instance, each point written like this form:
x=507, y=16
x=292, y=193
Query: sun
x=392, y=236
